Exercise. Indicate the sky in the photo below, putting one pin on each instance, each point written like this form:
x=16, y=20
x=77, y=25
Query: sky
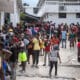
x=31, y=2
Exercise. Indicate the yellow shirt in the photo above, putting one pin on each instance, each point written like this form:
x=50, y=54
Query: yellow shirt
x=42, y=44
x=36, y=44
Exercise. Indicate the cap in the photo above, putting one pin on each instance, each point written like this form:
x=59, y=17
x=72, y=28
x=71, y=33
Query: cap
x=10, y=30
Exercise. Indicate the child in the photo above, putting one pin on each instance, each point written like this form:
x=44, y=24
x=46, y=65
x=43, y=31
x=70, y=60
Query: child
x=22, y=58
x=54, y=55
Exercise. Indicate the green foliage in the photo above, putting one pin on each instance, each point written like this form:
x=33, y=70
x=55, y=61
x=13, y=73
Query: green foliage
x=25, y=4
x=22, y=16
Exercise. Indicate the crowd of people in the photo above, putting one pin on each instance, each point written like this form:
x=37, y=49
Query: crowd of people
x=40, y=39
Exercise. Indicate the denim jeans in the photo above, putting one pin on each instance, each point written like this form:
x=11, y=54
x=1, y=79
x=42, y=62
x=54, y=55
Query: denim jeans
x=36, y=57
x=63, y=43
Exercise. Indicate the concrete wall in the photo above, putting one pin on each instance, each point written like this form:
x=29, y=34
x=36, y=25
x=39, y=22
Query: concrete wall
x=73, y=8
x=41, y=11
x=54, y=8
x=15, y=17
x=71, y=18
x=47, y=8
x=1, y=19
x=51, y=8
x=50, y=11
x=30, y=10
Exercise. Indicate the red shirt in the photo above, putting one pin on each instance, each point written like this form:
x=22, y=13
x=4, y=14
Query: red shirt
x=54, y=41
x=78, y=45
x=15, y=39
x=47, y=48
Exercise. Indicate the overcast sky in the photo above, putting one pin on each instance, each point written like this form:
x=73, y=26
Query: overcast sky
x=31, y=2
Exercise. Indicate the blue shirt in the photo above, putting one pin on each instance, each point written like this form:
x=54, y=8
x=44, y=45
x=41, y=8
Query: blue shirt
x=64, y=33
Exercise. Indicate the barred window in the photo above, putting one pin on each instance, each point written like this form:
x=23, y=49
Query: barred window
x=62, y=15
x=77, y=15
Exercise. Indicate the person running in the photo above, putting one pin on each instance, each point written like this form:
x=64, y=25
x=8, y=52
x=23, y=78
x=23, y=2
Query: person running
x=54, y=55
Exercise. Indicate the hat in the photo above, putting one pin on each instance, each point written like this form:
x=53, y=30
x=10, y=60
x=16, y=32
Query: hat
x=10, y=30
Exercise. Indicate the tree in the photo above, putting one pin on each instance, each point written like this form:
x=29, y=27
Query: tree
x=25, y=4
x=22, y=16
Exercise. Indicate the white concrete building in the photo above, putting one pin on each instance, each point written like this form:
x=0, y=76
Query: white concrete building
x=15, y=17
x=12, y=8
x=30, y=10
x=59, y=11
